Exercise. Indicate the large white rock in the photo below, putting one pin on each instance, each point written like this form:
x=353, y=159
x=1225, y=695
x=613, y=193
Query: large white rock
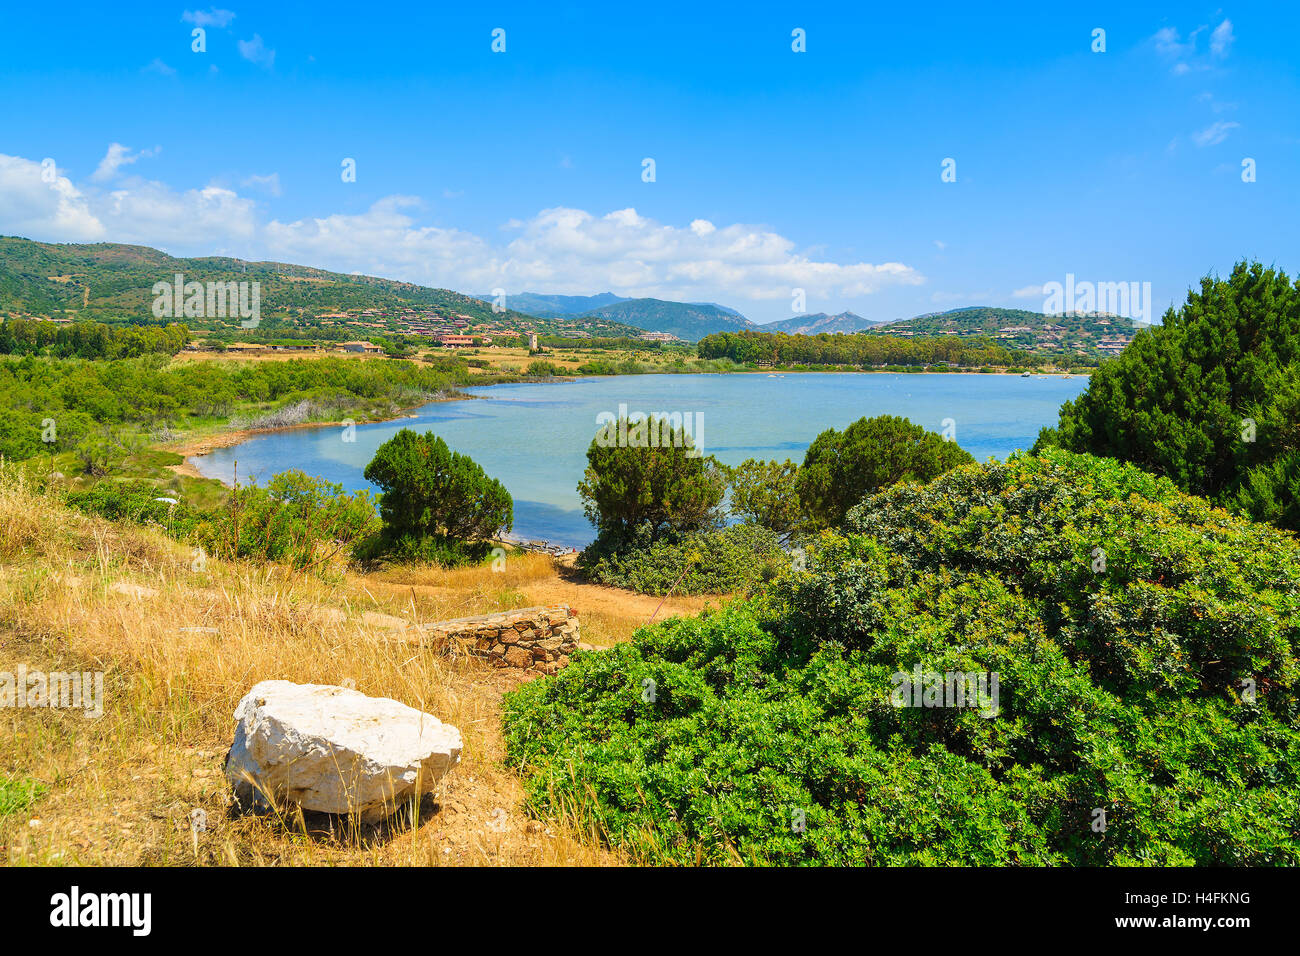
x=335, y=750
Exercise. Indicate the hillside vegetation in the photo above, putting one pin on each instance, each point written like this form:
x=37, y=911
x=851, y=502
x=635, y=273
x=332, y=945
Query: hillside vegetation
x=686, y=320
x=1146, y=711
x=1210, y=398
x=1071, y=333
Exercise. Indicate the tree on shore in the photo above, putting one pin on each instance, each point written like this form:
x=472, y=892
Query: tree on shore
x=432, y=492
x=665, y=484
x=842, y=468
x=1210, y=398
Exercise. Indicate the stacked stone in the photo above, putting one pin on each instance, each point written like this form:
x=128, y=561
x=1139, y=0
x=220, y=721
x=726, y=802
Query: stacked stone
x=537, y=638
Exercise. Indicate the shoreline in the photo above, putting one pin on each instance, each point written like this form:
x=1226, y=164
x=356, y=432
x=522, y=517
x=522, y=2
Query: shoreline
x=199, y=445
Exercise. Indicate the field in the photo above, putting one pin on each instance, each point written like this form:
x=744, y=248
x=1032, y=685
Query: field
x=180, y=645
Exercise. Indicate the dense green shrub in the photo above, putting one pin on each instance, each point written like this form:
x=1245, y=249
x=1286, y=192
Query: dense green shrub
x=140, y=502
x=645, y=472
x=840, y=468
x=81, y=397
x=1146, y=647
x=1210, y=398
x=430, y=492
x=296, y=520
x=766, y=493
x=699, y=562
x=543, y=369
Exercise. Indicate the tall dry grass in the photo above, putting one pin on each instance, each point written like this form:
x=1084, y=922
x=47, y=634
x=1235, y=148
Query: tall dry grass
x=180, y=643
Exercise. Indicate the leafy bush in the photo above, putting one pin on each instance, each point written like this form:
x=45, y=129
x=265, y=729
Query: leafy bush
x=766, y=493
x=296, y=520
x=428, y=490
x=421, y=549
x=700, y=562
x=1180, y=400
x=543, y=369
x=647, y=473
x=137, y=501
x=1146, y=648
x=840, y=468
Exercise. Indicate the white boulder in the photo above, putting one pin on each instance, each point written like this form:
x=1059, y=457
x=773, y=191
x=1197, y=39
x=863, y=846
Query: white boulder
x=335, y=750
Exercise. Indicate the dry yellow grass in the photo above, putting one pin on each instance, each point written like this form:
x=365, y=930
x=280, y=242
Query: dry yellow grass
x=180, y=646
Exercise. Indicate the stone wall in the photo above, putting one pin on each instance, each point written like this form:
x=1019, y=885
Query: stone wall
x=539, y=638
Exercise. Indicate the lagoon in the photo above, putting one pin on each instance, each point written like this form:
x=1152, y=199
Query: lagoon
x=534, y=436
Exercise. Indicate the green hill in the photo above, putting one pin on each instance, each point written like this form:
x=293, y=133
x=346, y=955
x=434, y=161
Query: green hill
x=686, y=320
x=1093, y=333
x=113, y=283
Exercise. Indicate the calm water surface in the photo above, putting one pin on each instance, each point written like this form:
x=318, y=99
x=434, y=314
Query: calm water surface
x=534, y=437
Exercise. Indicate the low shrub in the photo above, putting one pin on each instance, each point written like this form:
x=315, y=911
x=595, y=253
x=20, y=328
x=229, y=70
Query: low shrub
x=703, y=562
x=1145, y=645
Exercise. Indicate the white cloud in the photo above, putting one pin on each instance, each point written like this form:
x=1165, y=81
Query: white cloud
x=270, y=183
x=38, y=209
x=1183, y=54
x=255, y=51
x=1214, y=134
x=158, y=66
x=1221, y=39
x=117, y=157
x=211, y=17
x=1169, y=44
x=557, y=250
x=1028, y=292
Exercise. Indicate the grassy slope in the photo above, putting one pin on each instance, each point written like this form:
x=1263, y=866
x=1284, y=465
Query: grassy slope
x=82, y=593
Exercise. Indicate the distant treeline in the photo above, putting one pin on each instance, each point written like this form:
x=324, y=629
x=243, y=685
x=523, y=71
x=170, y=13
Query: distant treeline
x=748, y=347
x=603, y=342
x=90, y=340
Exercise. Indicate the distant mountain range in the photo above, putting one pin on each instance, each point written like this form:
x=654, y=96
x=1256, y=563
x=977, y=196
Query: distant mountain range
x=686, y=320
x=112, y=282
x=818, y=323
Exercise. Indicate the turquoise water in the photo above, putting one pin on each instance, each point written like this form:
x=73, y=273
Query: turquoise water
x=534, y=437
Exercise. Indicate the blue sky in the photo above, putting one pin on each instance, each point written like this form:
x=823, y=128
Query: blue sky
x=774, y=170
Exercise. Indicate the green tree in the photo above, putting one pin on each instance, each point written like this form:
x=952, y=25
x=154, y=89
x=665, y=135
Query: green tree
x=428, y=490
x=646, y=472
x=765, y=493
x=1208, y=398
x=842, y=468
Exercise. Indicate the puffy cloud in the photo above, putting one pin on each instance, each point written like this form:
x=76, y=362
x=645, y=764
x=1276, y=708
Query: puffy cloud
x=558, y=250
x=152, y=213
x=48, y=206
x=39, y=203
x=255, y=51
